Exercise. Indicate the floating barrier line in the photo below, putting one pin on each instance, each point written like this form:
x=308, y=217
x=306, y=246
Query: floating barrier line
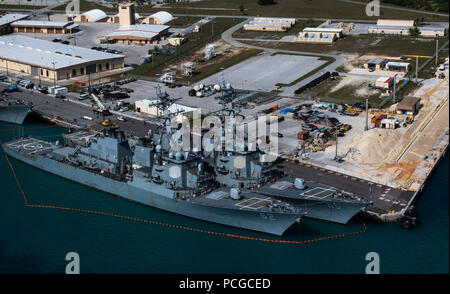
x=135, y=219
x=25, y=129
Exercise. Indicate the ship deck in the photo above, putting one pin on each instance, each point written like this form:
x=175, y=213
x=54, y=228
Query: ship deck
x=249, y=200
x=29, y=146
x=313, y=191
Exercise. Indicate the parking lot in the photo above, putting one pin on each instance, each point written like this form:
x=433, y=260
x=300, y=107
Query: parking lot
x=263, y=72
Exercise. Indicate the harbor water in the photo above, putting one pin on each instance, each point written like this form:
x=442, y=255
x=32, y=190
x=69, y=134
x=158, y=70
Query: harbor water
x=37, y=239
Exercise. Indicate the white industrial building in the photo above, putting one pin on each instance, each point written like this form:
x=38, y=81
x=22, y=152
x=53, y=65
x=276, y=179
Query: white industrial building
x=403, y=27
x=139, y=34
x=269, y=24
x=51, y=60
x=7, y=19
x=94, y=15
x=149, y=107
x=384, y=82
x=319, y=35
x=160, y=18
x=398, y=66
x=44, y=27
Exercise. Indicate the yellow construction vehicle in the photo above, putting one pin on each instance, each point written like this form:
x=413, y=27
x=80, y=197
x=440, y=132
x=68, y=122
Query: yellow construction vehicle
x=374, y=118
x=106, y=123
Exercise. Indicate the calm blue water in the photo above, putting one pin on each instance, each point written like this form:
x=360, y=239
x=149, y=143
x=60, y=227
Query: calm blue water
x=36, y=240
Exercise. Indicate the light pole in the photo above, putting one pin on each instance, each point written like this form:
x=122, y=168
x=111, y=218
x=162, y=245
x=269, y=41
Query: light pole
x=54, y=77
x=393, y=92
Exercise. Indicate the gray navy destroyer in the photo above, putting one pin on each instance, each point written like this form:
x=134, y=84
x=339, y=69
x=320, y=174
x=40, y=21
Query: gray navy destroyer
x=14, y=111
x=237, y=188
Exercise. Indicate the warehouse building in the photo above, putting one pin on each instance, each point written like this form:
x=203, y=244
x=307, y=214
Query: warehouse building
x=432, y=31
x=7, y=19
x=319, y=35
x=375, y=63
x=269, y=24
x=398, y=66
x=159, y=18
x=403, y=27
x=44, y=27
x=53, y=61
x=384, y=82
x=94, y=15
x=409, y=106
x=149, y=107
x=139, y=34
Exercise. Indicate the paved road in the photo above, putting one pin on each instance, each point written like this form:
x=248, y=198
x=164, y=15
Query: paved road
x=73, y=112
x=288, y=91
x=383, y=197
x=397, y=8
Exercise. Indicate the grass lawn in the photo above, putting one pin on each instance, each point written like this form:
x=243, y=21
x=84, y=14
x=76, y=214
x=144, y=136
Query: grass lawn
x=295, y=8
x=345, y=94
x=362, y=44
x=20, y=7
x=183, y=21
x=219, y=63
x=86, y=6
x=430, y=68
x=210, y=32
x=299, y=26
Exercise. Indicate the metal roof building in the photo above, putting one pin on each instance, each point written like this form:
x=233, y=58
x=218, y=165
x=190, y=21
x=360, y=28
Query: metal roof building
x=94, y=15
x=160, y=17
x=7, y=19
x=44, y=27
x=53, y=60
x=139, y=34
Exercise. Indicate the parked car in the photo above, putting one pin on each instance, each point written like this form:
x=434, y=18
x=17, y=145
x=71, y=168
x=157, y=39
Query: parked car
x=56, y=40
x=42, y=89
x=83, y=97
x=3, y=78
x=121, y=118
x=60, y=96
x=65, y=42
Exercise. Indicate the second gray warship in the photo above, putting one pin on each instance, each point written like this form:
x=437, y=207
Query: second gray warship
x=14, y=111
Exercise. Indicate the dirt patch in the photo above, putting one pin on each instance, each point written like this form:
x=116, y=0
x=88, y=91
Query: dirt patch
x=401, y=171
x=373, y=146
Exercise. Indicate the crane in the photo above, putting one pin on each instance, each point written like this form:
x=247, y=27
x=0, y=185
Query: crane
x=101, y=108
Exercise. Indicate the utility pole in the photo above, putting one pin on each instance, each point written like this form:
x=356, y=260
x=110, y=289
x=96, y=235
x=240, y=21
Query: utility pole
x=417, y=67
x=393, y=92
x=437, y=50
x=367, y=115
x=336, y=151
x=54, y=78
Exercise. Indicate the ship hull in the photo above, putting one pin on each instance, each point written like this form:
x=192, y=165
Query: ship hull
x=272, y=223
x=333, y=211
x=15, y=114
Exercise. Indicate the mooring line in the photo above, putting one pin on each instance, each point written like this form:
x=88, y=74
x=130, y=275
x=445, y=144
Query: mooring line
x=135, y=219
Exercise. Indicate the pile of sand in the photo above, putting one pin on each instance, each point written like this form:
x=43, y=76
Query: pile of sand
x=372, y=146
